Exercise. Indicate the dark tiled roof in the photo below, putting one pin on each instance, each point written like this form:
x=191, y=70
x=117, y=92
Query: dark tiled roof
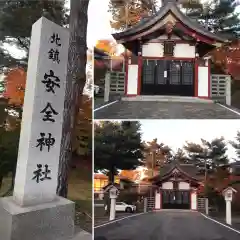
x=188, y=169
x=170, y=6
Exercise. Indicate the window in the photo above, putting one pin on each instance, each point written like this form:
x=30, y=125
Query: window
x=168, y=48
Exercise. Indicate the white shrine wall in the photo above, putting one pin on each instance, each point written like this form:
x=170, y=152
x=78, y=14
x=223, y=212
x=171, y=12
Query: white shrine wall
x=203, y=81
x=183, y=186
x=132, y=79
x=184, y=50
x=167, y=185
x=156, y=49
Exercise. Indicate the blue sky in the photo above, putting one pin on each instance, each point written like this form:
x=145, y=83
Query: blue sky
x=176, y=132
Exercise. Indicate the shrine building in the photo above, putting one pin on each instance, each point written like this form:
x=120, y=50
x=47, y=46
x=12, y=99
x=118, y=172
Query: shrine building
x=168, y=52
x=176, y=187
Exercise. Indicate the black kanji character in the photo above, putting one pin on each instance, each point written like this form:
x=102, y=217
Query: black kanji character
x=45, y=174
x=39, y=173
x=49, y=111
x=43, y=141
x=51, y=81
x=54, y=55
x=56, y=39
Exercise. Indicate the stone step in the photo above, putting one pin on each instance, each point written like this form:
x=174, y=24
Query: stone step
x=160, y=98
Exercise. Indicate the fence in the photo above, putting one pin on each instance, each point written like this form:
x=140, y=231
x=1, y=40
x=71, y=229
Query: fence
x=117, y=82
x=150, y=203
x=221, y=88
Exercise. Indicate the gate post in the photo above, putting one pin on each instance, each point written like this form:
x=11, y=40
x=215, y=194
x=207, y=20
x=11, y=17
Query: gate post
x=145, y=205
x=107, y=87
x=228, y=90
x=206, y=206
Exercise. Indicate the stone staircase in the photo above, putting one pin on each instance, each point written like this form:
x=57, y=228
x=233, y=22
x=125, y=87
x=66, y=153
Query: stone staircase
x=160, y=98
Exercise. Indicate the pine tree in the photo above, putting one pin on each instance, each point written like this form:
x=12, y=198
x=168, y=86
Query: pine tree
x=236, y=145
x=117, y=146
x=219, y=16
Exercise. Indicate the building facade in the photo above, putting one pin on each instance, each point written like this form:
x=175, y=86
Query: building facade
x=176, y=187
x=168, y=55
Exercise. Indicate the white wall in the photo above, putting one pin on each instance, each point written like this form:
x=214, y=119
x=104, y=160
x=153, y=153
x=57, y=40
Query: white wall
x=157, y=200
x=203, y=81
x=132, y=83
x=181, y=50
x=167, y=185
x=184, y=50
x=152, y=50
x=194, y=201
x=184, y=186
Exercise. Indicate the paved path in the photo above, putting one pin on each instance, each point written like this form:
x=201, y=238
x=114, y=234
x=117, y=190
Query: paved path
x=164, y=110
x=165, y=225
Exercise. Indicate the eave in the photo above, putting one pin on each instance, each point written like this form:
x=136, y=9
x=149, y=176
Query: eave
x=151, y=24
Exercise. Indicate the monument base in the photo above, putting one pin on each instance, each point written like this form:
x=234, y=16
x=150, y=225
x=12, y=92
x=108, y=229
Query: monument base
x=50, y=221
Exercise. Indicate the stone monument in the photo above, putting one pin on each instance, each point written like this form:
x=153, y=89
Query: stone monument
x=35, y=212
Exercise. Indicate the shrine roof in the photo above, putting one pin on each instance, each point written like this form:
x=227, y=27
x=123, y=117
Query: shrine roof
x=149, y=22
x=189, y=170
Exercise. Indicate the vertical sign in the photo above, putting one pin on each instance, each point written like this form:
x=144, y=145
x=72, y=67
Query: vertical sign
x=41, y=129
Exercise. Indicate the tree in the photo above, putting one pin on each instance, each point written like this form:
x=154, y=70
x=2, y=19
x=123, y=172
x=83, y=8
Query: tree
x=117, y=146
x=82, y=143
x=13, y=33
x=236, y=145
x=219, y=16
x=208, y=156
x=127, y=13
x=155, y=156
x=108, y=46
x=76, y=78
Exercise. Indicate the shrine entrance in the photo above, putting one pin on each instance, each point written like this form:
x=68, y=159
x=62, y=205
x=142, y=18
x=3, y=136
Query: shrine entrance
x=176, y=199
x=168, y=77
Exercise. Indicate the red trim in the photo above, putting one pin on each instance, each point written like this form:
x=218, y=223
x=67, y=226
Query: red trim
x=194, y=34
x=140, y=58
x=126, y=70
x=209, y=79
x=168, y=58
x=196, y=78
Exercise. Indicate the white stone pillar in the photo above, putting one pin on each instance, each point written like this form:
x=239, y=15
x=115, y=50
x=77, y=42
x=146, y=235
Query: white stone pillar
x=228, y=213
x=112, y=209
x=206, y=206
x=145, y=205
x=41, y=128
x=228, y=90
x=107, y=87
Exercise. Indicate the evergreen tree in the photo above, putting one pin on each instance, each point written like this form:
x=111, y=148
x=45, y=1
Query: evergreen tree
x=117, y=146
x=236, y=145
x=219, y=16
x=208, y=156
x=16, y=20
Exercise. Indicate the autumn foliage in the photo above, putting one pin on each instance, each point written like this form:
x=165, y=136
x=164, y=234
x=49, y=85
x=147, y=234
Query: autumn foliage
x=15, y=82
